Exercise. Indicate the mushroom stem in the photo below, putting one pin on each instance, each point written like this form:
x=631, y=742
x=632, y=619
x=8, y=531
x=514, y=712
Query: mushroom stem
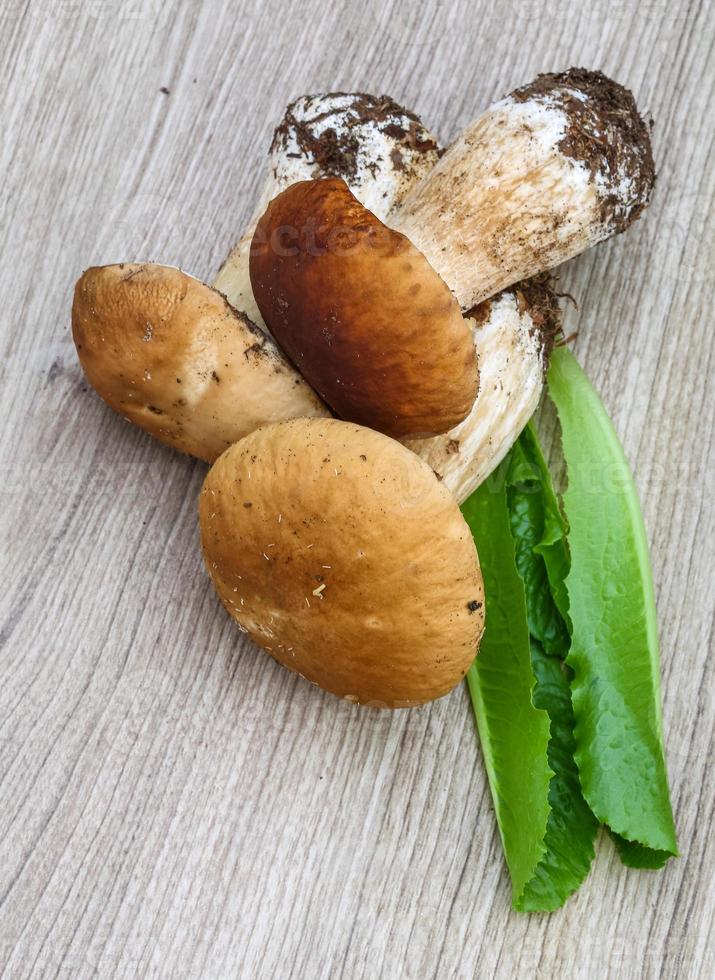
x=557, y=166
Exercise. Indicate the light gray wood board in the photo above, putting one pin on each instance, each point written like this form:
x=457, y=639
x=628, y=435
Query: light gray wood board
x=173, y=803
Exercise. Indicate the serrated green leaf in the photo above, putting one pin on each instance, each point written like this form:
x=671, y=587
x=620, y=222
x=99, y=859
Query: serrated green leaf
x=539, y=531
x=553, y=546
x=614, y=651
x=571, y=828
x=537, y=538
x=522, y=618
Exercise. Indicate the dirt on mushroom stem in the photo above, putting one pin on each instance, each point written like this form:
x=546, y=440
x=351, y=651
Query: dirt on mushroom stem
x=336, y=153
x=605, y=132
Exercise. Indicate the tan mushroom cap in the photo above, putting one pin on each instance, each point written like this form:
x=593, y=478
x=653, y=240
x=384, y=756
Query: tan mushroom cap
x=170, y=354
x=361, y=312
x=339, y=552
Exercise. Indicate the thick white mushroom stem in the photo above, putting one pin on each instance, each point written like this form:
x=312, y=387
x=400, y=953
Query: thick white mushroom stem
x=380, y=149
x=557, y=166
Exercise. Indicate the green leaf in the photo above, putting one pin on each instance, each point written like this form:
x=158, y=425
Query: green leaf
x=539, y=531
x=514, y=734
x=614, y=652
x=518, y=527
x=635, y=855
x=553, y=546
x=539, y=536
x=571, y=829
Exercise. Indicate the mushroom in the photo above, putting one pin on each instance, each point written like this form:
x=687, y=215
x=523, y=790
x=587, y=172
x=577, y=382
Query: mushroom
x=194, y=368
x=340, y=553
x=552, y=169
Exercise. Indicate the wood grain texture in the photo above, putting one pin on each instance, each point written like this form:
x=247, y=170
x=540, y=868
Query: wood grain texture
x=174, y=804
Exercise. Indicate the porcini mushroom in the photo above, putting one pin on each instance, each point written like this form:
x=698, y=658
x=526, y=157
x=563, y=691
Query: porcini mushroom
x=552, y=169
x=339, y=552
x=139, y=328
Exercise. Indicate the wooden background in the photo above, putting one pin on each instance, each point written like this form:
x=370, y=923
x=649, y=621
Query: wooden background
x=173, y=803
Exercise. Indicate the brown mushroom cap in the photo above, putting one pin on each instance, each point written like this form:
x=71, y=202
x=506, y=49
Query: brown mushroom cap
x=169, y=353
x=339, y=552
x=361, y=312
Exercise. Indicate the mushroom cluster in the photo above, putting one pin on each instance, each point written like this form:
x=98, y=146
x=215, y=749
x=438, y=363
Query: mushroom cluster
x=367, y=354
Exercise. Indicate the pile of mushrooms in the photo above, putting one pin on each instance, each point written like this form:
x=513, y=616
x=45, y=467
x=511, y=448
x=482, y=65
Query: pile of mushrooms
x=368, y=353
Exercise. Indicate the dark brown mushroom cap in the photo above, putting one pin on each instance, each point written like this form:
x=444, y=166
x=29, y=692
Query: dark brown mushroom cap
x=361, y=312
